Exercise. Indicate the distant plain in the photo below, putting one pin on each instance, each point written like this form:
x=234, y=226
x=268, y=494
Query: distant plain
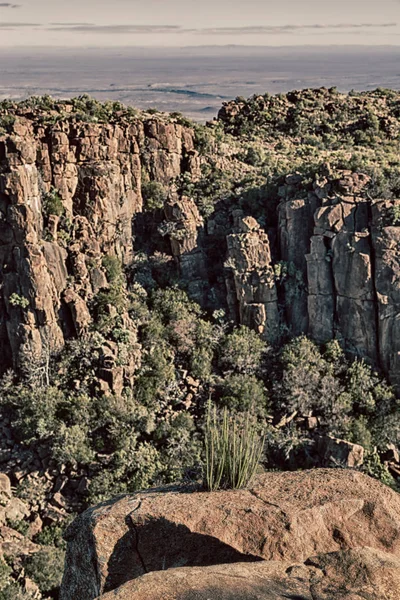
x=195, y=80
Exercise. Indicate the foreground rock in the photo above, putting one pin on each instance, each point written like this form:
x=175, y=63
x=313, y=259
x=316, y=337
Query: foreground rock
x=284, y=517
x=351, y=574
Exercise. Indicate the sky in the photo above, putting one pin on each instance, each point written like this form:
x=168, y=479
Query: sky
x=177, y=23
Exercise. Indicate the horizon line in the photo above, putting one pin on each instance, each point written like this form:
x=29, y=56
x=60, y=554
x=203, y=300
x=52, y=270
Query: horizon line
x=200, y=46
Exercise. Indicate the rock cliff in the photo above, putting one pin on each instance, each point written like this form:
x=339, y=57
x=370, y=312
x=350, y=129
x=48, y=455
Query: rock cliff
x=51, y=258
x=322, y=258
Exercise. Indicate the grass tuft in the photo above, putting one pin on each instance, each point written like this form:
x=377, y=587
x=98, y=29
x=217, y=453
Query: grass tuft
x=233, y=449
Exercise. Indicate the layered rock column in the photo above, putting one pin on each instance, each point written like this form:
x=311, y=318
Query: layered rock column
x=250, y=278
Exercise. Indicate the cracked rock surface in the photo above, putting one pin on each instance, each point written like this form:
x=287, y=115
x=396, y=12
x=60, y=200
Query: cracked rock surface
x=343, y=575
x=338, y=516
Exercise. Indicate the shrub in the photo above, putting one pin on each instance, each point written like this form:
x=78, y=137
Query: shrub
x=241, y=393
x=6, y=123
x=394, y=215
x=154, y=195
x=52, y=535
x=71, y=445
x=46, y=568
x=375, y=468
x=17, y=300
x=233, y=449
x=52, y=203
x=242, y=351
x=113, y=268
x=5, y=572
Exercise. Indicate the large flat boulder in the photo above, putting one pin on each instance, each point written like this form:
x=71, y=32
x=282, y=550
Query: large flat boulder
x=345, y=575
x=282, y=517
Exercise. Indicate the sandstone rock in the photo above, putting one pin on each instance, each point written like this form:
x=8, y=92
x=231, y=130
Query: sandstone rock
x=239, y=581
x=14, y=544
x=341, y=249
x=79, y=311
x=16, y=510
x=32, y=588
x=250, y=284
x=339, y=453
x=284, y=517
x=35, y=526
x=345, y=575
x=5, y=485
x=96, y=170
x=391, y=454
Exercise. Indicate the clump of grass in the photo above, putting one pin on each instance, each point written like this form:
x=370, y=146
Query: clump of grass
x=233, y=449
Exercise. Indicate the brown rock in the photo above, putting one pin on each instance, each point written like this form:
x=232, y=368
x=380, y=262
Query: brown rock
x=239, y=581
x=96, y=170
x=16, y=510
x=346, y=575
x=5, y=485
x=32, y=588
x=391, y=454
x=35, y=526
x=284, y=516
x=339, y=453
x=250, y=282
x=14, y=544
x=79, y=311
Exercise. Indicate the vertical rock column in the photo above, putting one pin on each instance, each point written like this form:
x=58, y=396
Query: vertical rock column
x=253, y=282
x=386, y=247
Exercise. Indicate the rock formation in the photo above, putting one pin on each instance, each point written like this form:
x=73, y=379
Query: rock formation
x=326, y=265
x=305, y=532
x=51, y=267
x=361, y=573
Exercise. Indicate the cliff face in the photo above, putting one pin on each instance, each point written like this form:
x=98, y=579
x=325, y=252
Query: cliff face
x=326, y=263
x=52, y=267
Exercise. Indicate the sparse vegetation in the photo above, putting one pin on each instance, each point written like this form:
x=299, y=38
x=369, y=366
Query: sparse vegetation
x=52, y=203
x=18, y=300
x=233, y=449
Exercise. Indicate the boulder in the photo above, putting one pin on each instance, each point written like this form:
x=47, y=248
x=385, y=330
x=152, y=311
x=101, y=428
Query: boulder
x=283, y=517
x=239, y=581
x=334, y=452
x=345, y=575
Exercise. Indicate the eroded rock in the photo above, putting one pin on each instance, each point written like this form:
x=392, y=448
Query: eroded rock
x=283, y=517
x=350, y=574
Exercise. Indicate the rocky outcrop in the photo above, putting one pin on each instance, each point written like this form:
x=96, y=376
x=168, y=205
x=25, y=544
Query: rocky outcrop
x=250, y=278
x=185, y=229
x=68, y=195
x=344, y=253
x=360, y=573
x=339, y=453
x=323, y=260
x=282, y=517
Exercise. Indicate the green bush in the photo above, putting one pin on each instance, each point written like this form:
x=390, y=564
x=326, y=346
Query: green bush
x=17, y=300
x=394, y=215
x=375, y=468
x=113, y=268
x=244, y=393
x=233, y=449
x=6, y=123
x=45, y=568
x=52, y=203
x=154, y=195
x=242, y=351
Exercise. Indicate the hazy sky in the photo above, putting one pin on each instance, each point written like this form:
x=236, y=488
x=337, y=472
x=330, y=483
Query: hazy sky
x=82, y=23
